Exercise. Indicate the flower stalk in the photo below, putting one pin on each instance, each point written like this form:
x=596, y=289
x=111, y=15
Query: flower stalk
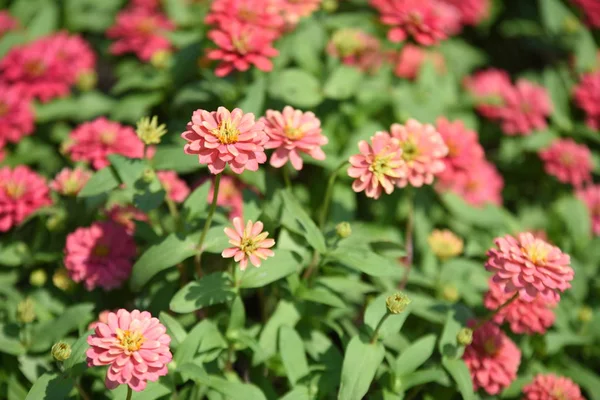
x=211, y=212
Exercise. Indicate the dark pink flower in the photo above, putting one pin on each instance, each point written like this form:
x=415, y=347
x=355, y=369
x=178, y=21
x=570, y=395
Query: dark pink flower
x=93, y=141
x=69, y=182
x=292, y=132
x=587, y=97
x=100, y=255
x=463, y=145
x=126, y=216
x=176, y=188
x=141, y=31
x=411, y=59
x=16, y=114
x=525, y=109
x=530, y=266
x=478, y=185
x=249, y=243
x=263, y=13
x=73, y=56
x=222, y=137
x=22, y=192
x=471, y=11
x=240, y=46
x=568, y=161
x=590, y=195
x=146, y=4
x=551, y=387
x=7, y=23
x=492, y=358
x=488, y=88
x=591, y=10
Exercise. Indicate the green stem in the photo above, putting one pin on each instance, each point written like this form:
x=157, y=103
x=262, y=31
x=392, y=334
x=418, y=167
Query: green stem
x=82, y=392
x=329, y=194
x=376, y=332
x=129, y=393
x=286, y=177
x=496, y=311
x=211, y=212
x=408, y=239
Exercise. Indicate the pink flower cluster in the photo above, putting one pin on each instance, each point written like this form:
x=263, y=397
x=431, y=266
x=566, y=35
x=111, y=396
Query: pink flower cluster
x=551, y=387
x=357, y=48
x=520, y=108
x=411, y=59
x=590, y=195
x=16, y=114
x=141, y=29
x=587, y=97
x=591, y=10
x=568, y=161
x=467, y=172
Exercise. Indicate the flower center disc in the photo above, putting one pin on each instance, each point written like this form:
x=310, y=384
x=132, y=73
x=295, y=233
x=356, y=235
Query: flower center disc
x=537, y=252
x=293, y=133
x=101, y=250
x=108, y=137
x=130, y=341
x=14, y=189
x=3, y=109
x=380, y=165
x=226, y=132
x=34, y=67
x=409, y=150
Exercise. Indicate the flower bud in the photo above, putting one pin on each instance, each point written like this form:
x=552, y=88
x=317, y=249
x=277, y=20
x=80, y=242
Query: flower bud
x=38, y=277
x=397, y=303
x=26, y=311
x=343, y=230
x=585, y=314
x=329, y=5
x=61, y=351
x=161, y=59
x=87, y=80
x=149, y=131
x=148, y=175
x=450, y=293
x=445, y=244
x=55, y=222
x=465, y=336
x=61, y=280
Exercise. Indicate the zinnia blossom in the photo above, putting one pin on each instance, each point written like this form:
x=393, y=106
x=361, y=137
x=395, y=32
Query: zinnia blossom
x=463, y=146
x=16, y=114
x=551, y=387
x=492, y=358
x=100, y=255
x=293, y=10
x=126, y=216
x=587, y=97
x=423, y=150
x=22, y=192
x=525, y=109
x=378, y=167
x=222, y=137
x=93, y=141
x=471, y=11
x=250, y=243
x=134, y=345
x=102, y=318
x=478, y=185
x=356, y=48
x=523, y=317
x=69, y=182
x=568, y=161
x=488, y=88
x=445, y=244
x=590, y=195
x=263, y=13
x=176, y=188
x=529, y=266
x=292, y=132
x=230, y=194
x=591, y=10
x=411, y=60
x=7, y=23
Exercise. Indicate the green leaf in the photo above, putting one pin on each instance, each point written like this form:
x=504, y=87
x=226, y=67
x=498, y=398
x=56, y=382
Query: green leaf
x=129, y=170
x=76, y=364
x=285, y=314
x=174, y=329
x=298, y=393
x=461, y=375
x=556, y=341
x=76, y=108
x=90, y=15
x=415, y=355
x=204, y=336
x=45, y=21
x=313, y=234
x=296, y=87
x=131, y=108
x=322, y=295
x=377, y=309
x=585, y=50
x=361, y=361
x=366, y=261
x=235, y=390
x=45, y=334
x=153, y=391
x=456, y=319
x=343, y=82
x=272, y=269
x=211, y=289
x=101, y=182
x=560, y=98
x=254, y=100
x=50, y=387
x=554, y=14
x=197, y=201
x=575, y=216
x=292, y=353
x=435, y=374
x=237, y=319
x=485, y=217
x=10, y=342
x=173, y=158
x=216, y=240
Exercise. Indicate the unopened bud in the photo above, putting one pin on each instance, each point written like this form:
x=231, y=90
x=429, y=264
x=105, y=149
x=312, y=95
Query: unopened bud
x=148, y=175
x=26, y=311
x=87, y=80
x=329, y=5
x=149, y=131
x=61, y=351
x=445, y=244
x=450, y=293
x=38, y=277
x=160, y=59
x=397, y=303
x=585, y=314
x=61, y=280
x=465, y=336
x=343, y=230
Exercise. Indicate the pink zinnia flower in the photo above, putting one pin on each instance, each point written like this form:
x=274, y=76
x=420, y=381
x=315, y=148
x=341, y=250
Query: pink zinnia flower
x=263, y=13
x=147, y=4
x=551, y=387
x=293, y=10
x=471, y=11
x=587, y=97
x=568, y=161
x=524, y=317
x=525, y=109
x=529, y=266
x=423, y=150
x=100, y=255
x=222, y=137
x=357, y=48
x=250, y=243
x=230, y=194
x=478, y=185
x=378, y=167
x=411, y=59
x=94, y=141
x=69, y=182
x=22, y=192
x=463, y=145
x=126, y=216
x=488, y=88
x=141, y=31
x=134, y=345
x=102, y=318
x=176, y=188
x=591, y=10
x=16, y=114
x=590, y=196
x=292, y=132
x=240, y=46
x=73, y=56
x=492, y=358
x=7, y=23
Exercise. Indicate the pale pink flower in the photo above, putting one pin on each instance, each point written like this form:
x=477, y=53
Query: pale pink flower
x=488, y=88
x=523, y=317
x=100, y=255
x=250, y=243
x=222, y=137
x=294, y=10
x=7, y=23
x=591, y=10
x=356, y=48
x=587, y=97
x=525, y=108
x=412, y=58
x=568, y=161
x=478, y=185
x=292, y=132
x=126, y=216
x=378, y=167
x=176, y=188
x=102, y=318
x=529, y=266
x=551, y=387
x=22, y=192
x=423, y=151
x=240, y=46
x=492, y=358
x=230, y=194
x=141, y=31
x=16, y=114
x=69, y=182
x=263, y=13
x=463, y=145
x=135, y=346
x=93, y=141
x=471, y=11
x=590, y=195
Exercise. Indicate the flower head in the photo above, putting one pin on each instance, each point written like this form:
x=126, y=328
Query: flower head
x=492, y=358
x=587, y=97
x=102, y=318
x=445, y=244
x=100, y=255
x=357, y=48
x=250, y=243
x=529, y=266
x=26, y=311
x=149, y=131
x=263, y=13
x=293, y=10
x=590, y=195
x=292, y=132
x=126, y=216
x=222, y=137
x=22, y=192
x=134, y=345
x=463, y=146
x=568, y=161
x=591, y=10
x=464, y=337
x=16, y=114
x=69, y=182
x=551, y=387
x=177, y=190
x=397, y=303
x=411, y=59
x=378, y=167
x=61, y=351
x=525, y=109
x=488, y=88
x=471, y=11
x=478, y=185
x=94, y=141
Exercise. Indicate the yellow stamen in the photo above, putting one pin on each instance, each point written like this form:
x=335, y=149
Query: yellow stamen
x=293, y=133
x=14, y=189
x=101, y=250
x=226, y=132
x=130, y=341
x=537, y=251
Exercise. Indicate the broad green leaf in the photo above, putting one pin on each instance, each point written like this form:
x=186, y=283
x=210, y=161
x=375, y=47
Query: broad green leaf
x=361, y=361
x=45, y=21
x=560, y=96
x=174, y=329
x=50, y=386
x=197, y=201
x=129, y=170
x=15, y=391
x=298, y=393
x=76, y=108
x=295, y=87
x=434, y=374
x=173, y=158
x=377, y=309
x=254, y=100
x=132, y=107
x=556, y=341
x=10, y=342
x=554, y=15
x=320, y=294
x=273, y=268
x=90, y=15
x=237, y=318
x=461, y=375
x=235, y=390
x=312, y=233
x=216, y=240
x=486, y=217
x=101, y=182
x=189, y=347
x=455, y=320
x=211, y=289
x=153, y=391
x=292, y=354
x=585, y=50
x=575, y=216
x=76, y=364
x=285, y=314
x=47, y=333
x=342, y=82
x=415, y=355
x=364, y=260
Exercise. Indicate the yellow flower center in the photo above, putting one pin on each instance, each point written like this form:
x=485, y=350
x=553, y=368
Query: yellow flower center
x=381, y=165
x=249, y=245
x=34, y=67
x=491, y=346
x=130, y=341
x=414, y=18
x=347, y=42
x=567, y=159
x=248, y=14
x=3, y=109
x=558, y=394
x=146, y=26
x=226, y=132
x=537, y=251
x=108, y=137
x=14, y=189
x=293, y=133
x=101, y=250
x=409, y=150
x=240, y=44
